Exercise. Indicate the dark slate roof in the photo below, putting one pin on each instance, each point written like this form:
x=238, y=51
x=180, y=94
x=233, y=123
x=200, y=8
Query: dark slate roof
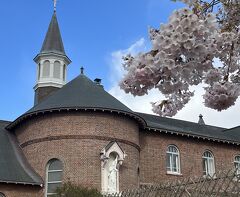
x=234, y=129
x=234, y=132
x=186, y=128
x=83, y=94
x=53, y=40
x=13, y=165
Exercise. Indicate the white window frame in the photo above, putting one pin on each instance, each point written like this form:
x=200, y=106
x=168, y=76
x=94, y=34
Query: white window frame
x=237, y=164
x=51, y=182
x=209, y=162
x=178, y=165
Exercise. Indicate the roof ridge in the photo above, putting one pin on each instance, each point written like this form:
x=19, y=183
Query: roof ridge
x=186, y=128
x=229, y=129
x=6, y=121
x=205, y=125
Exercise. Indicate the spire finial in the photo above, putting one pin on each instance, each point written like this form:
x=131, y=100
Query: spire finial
x=82, y=69
x=201, y=121
x=55, y=5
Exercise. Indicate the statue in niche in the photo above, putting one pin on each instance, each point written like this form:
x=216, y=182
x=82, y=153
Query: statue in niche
x=111, y=157
x=112, y=173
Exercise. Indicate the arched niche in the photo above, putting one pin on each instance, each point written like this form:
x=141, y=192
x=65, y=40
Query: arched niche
x=112, y=157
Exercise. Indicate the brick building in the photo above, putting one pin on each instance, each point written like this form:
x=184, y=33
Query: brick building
x=78, y=132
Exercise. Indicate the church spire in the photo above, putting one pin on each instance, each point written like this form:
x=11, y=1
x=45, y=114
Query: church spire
x=52, y=62
x=53, y=39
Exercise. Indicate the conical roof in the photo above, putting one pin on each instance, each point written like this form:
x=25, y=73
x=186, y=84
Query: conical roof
x=81, y=92
x=53, y=40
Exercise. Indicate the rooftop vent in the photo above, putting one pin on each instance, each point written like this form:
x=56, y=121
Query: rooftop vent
x=98, y=82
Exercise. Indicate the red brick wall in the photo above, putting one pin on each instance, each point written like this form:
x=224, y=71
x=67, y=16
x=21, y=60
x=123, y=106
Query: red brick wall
x=79, y=123
x=78, y=140
x=43, y=92
x=153, y=156
x=13, y=190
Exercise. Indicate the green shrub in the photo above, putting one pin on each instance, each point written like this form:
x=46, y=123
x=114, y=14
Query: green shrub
x=70, y=190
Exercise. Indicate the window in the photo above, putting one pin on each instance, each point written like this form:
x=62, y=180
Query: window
x=237, y=164
x=208, y=163
x=53, y=176
x=64, y=72
x=173, y=160
x=57, y=70
x=39, y=71
x=46, y=69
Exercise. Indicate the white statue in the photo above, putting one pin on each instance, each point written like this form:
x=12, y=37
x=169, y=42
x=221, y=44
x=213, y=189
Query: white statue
x=112, y=175
x=112, y=157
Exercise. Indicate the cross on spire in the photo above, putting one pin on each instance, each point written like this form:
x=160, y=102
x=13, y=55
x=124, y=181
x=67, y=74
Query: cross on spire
x=55, y=4
x=82, y=70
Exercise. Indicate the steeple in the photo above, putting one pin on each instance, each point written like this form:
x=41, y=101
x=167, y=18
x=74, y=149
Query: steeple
x=52, y=62
x=53, y=40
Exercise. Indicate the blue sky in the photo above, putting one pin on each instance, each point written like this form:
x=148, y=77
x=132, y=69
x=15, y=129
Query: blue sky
x=95, y=34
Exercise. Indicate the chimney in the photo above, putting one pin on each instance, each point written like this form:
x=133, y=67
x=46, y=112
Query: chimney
x=98, y=82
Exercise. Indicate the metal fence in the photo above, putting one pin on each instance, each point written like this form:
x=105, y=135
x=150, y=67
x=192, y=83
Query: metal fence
x=221, y=184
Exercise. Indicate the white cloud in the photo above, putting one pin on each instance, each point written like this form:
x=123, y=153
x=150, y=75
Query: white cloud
x=228, y=118
x=117, y=70
x=141, y=104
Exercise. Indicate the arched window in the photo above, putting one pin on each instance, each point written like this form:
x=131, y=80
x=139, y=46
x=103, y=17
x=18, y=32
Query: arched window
x=208, y=163
x=2, y=195
x=46, y=69
x=57, y=70
x=64, y=72
x=173, y=160
x=237, y=164
x=53, y=176
x=39, y=71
